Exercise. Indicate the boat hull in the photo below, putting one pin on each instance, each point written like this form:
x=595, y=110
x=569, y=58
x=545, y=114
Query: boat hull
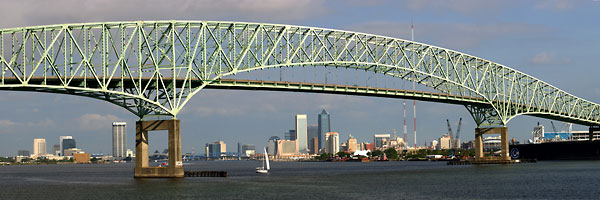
x=565, y=150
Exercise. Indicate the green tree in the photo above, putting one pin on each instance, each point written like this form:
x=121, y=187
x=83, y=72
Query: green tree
x=376, y=153
x=391, y=153
x=343, y=154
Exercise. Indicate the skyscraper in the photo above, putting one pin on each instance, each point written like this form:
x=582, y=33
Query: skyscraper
x=61, y=138
x=332, y=142
x=39, y=147
x=301, y=133
x=351, y=144
x=381, y=139
x=119, y=138
x=324, y=127
x=272, y=145
x=215, y=149
x=313, y=133
x=67, y=144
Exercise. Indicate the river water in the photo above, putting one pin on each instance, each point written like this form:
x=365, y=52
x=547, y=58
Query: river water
x=310, y=180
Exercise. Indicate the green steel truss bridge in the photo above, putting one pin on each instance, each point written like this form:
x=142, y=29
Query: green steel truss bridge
x=155, y=67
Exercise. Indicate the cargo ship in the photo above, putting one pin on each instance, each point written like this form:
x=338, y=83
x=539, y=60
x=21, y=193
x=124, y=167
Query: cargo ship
x=571, y=145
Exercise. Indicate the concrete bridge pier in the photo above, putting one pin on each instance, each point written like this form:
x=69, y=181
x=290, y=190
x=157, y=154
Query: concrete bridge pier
x=175, y=167
x=479, y=132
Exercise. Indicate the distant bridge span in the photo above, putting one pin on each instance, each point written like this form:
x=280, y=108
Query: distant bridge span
x=156, y=67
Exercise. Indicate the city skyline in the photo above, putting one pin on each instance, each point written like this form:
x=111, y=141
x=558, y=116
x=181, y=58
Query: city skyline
x=554, y=41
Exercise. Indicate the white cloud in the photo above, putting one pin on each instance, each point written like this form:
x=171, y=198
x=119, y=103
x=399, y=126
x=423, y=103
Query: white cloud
x=29, y=12
x=555, y=5
x=94, y=122
x=545, y=58
x=7, y=123
x=454, y=36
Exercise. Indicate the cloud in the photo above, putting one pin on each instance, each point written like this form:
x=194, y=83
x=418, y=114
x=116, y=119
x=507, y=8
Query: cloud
x=545, y=58
x=455, y=36
x=7, y=123
x=555, y=5
x=468, y=7
x=94, y=122
x=30, y=12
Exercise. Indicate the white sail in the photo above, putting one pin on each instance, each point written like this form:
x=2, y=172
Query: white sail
x=267, y=159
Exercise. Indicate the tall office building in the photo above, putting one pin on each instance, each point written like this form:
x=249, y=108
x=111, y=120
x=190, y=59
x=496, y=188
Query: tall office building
x=381, y=139
x=351, y=144
x=324, y=127
x=23, y=153
x=302, y=133
x=56, y=150
x=119, y=139
x=290, y=135
x=67, y=144
x=313, y=133
x=215, y=149
x=60, y=140
x=332, y=142
x=272, y=145
x=39, y=147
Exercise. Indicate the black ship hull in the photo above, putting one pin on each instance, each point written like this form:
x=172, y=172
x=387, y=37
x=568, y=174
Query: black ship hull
x=566, y=150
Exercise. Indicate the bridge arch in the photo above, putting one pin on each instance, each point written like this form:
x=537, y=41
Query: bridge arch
x=155, y=67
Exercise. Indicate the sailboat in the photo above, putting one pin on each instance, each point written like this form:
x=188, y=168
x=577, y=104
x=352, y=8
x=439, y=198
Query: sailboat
x=265, y=167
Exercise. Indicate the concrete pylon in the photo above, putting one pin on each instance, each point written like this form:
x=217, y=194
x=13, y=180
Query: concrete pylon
x=175, y=167
x=479, y=132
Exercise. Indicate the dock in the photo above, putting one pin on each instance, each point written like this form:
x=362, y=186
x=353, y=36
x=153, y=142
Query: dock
x=205, y=174
x=488, y=162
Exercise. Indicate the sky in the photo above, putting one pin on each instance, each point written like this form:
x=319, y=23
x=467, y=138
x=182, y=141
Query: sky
x=556, y=41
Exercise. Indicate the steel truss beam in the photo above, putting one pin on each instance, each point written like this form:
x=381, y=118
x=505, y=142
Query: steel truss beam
x=155, y=67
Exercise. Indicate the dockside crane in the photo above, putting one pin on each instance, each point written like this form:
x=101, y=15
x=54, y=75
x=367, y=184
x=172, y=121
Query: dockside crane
x=457, y=145
x=450, y=133
x=553, y=127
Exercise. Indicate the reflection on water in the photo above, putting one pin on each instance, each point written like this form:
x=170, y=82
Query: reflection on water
x=308, y=180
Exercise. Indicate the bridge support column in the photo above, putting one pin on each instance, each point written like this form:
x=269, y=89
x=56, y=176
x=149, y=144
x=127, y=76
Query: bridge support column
x=175, y=167
x=479, y=132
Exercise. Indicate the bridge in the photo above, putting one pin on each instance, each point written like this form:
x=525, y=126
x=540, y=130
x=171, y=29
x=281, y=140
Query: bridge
x=154, y=68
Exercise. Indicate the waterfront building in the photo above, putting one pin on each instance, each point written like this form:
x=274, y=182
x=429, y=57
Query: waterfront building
x=315, y=145
x=68, y=144
x=130, y=153
x=351, y=144
x=380, y=140
x=324, y=126
x=302, y=133
x=23, y=153
x=290, y=135
x=272, y=145
x=39, y=147
x=215, y=149
x=444, y=142
x=56, y=149
x=247, y=150
x=60, y=140
x=81, y=157
x=332, y=140
x=71, y=151
x=119, y=139
x=434, y=144
x=286, y=147
x=368, y=146
x=343, y=147
x=313, y=132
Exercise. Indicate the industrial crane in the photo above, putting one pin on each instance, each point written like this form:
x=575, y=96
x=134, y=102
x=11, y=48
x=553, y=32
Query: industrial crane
x=450, y=133
x=454, y=140
x=458, y=133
